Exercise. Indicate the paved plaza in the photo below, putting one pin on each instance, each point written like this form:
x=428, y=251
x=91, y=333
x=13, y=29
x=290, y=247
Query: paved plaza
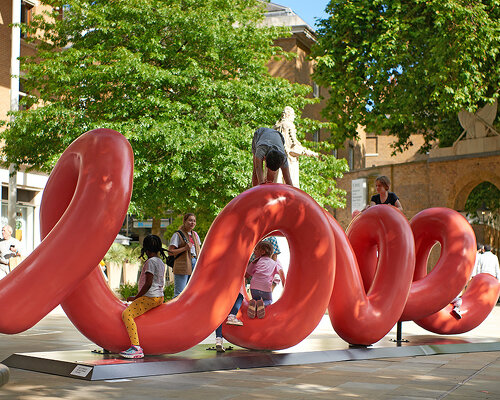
x=445, y=376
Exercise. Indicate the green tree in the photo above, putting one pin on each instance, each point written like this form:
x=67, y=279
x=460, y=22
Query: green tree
x=408, y=66
x=185, y=81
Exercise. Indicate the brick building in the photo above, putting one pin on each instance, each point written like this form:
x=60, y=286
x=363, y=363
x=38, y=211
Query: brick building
x=300, y=69
x=441, y=178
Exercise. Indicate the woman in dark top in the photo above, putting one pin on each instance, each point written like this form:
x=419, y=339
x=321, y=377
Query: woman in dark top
x=382, y=184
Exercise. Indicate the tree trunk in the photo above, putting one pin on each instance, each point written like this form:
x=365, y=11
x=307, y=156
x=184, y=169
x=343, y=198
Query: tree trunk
x=155, y=229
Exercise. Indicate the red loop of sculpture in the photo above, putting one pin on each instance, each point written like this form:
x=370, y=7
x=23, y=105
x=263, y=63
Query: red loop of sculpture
x=310, y=274
x=367, y=300
x=205, y=303
x=83, y=207
x=430, y=293
x=85, y=202
x=477, y=302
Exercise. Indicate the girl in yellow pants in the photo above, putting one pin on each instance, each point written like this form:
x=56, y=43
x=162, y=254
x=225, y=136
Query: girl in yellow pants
x=151, y=283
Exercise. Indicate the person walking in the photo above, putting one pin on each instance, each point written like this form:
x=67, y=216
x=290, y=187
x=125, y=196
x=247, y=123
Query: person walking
x=488, y=264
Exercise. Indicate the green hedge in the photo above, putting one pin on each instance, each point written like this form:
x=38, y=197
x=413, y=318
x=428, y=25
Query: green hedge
x=126, y=290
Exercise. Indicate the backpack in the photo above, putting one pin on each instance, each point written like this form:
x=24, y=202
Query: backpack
x=171, y=259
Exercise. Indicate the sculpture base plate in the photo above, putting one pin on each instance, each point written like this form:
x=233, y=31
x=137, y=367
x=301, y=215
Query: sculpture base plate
x=93, y=366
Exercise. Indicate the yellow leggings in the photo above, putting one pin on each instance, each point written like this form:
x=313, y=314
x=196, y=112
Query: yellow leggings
x=138, y=307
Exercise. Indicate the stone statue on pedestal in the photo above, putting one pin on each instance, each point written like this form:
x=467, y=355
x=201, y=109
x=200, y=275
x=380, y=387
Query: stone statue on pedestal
x=294, y=149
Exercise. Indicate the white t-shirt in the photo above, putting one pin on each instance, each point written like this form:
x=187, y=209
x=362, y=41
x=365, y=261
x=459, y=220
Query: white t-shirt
x=489, y=264
x=155, y=266
x=178, y=241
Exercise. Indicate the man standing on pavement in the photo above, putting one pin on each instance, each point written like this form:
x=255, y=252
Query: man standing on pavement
x=488, y=263
x=9, y=247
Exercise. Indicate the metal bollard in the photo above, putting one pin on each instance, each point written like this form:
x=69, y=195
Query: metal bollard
x=4, y=374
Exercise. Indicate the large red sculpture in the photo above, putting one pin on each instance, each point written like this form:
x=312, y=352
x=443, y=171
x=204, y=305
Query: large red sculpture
x=369, y=279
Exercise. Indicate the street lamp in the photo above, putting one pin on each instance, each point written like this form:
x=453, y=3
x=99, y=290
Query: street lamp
x=483, y=213
x=15, y=72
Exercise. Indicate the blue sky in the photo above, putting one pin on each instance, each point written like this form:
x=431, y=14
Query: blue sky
x=308, y=10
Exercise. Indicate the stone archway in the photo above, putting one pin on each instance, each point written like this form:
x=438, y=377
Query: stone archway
x=466, y=183
x=485, y=233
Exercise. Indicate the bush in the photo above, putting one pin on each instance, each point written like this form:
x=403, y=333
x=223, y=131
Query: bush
x=116, y=253
x=169, y=292
x=133, y=253
x=126, y=290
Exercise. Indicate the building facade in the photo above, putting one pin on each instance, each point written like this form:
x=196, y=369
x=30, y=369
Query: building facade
x=440, y=178
x=444, y=177
x=299, y=69
x=29, y=184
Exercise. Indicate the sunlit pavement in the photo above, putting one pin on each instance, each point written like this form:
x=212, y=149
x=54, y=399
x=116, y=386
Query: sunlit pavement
x=450, y=376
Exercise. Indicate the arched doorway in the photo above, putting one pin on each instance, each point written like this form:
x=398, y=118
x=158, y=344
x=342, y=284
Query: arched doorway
x=482, y=208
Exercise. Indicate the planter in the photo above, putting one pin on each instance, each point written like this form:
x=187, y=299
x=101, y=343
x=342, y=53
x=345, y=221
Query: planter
x=130, y=272
x=114, y=274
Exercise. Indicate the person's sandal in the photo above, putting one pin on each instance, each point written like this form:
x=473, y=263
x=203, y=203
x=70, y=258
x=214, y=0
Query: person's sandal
x=261, y=309
x=251, y=311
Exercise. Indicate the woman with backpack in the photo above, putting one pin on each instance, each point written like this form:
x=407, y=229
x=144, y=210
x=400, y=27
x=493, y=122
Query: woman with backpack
x=185, y=246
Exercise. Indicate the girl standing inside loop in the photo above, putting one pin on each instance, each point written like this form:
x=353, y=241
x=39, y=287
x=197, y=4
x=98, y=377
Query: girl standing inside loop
x=151, y=283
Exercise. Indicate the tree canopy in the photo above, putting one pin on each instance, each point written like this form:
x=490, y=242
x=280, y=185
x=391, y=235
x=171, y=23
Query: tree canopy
x=408, y=66
x=185, y=81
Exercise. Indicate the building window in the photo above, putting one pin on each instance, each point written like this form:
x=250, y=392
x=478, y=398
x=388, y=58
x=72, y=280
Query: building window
x=315, y=90
x=350, y=157
x=371, y=146
x=26, y=15
x=63, y=11
x=316, y=136
x=24, y=230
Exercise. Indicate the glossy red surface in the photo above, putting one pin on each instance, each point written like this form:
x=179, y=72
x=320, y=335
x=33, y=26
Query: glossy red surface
x=370, y=293
x=369, y=279
x=210, y=294
x=431, y=292
x=83, y=207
